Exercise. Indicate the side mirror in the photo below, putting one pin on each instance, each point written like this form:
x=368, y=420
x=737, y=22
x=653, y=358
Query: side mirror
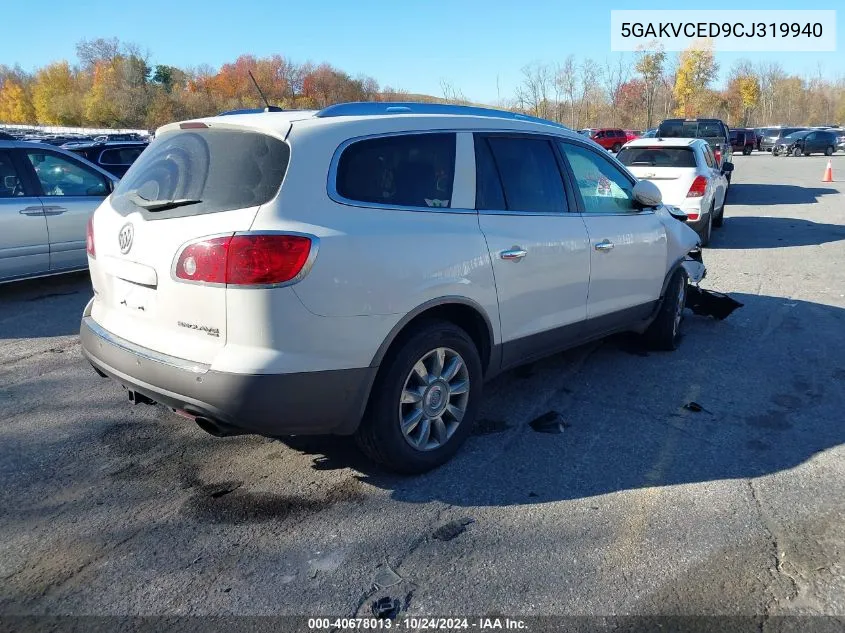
x=647, y=194
x=727, y=167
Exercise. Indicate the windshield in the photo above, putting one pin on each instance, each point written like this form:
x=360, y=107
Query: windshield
x=203, y=171
x=656, y=157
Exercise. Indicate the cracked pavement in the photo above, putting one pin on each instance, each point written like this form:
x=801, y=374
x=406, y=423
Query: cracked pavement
x=639, y=506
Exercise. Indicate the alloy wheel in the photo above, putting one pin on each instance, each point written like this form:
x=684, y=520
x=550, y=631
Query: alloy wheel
x=434, y=399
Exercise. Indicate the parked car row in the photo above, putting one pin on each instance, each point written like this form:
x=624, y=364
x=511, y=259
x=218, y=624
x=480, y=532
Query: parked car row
x=782, y=140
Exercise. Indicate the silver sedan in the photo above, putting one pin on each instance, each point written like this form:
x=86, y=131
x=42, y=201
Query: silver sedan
x=46, y=197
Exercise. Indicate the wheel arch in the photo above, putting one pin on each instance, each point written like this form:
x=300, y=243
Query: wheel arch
x=462, y=311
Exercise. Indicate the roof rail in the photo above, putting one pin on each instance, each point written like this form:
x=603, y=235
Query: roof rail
x=372, y=108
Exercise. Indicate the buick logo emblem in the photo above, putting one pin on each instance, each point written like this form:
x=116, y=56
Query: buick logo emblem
x=124, y=238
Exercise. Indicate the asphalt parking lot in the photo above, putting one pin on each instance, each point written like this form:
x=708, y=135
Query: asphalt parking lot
x=639, y=506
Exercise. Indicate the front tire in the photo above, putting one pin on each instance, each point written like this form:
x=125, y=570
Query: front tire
x=828, y=150
x=424, y=401
x=616, y=148
x=796, y=152
x=665, y=331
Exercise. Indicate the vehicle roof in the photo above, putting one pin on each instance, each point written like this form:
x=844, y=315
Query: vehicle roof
x=666, y=142
x=693, y=120
x=54, y=148
x=418, y=116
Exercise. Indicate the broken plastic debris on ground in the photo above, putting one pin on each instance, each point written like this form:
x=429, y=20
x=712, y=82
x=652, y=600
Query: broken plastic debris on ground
x=710, y=303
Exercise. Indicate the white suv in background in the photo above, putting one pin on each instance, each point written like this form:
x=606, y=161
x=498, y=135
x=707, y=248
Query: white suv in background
x=687, y=174
x=365, y=268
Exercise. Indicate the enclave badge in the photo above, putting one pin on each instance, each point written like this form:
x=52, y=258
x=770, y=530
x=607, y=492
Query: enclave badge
x=124, y=238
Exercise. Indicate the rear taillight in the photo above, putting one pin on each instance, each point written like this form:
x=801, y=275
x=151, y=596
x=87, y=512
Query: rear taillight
x=691, y=215
x=89, y=238
x=718, y=154
x=244, y=260
x=698, y=187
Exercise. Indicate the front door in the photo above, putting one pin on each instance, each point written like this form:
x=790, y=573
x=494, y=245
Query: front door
x=70, y=192
x=538, y=246
x=628, y=246
x=24, y=246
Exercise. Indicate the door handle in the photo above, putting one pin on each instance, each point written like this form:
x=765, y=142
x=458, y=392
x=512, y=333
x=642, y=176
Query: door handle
x=604, y=245
x=52, y=209
x=39, y=210
x=514, y=254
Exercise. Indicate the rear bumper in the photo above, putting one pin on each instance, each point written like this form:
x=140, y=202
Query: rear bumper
x=307, y=403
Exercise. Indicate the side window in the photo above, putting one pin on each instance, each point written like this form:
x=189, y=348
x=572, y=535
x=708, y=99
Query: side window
x=603, y=186
x=812, y=136
x=410, y=170
x=11, y=184
x=120, y=156
x=61, y=176
x=599, y=135
x=530, y=174
x=709, y=158
x=488, y=187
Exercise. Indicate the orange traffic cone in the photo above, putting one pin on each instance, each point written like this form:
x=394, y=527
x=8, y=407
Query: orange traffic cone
x=828, y=173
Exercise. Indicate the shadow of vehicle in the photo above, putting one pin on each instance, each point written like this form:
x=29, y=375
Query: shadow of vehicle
x=45, y=307
x=765, y=232
x=769, y=194
x=770, y=382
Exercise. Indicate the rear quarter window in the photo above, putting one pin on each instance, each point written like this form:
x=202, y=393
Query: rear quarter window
x=226, y=169
x=408, y=170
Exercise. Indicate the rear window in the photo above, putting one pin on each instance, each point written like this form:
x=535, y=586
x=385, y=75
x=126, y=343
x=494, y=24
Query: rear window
x=120, y=156
x=656, y=157
x=223, y=169
x=409, y=170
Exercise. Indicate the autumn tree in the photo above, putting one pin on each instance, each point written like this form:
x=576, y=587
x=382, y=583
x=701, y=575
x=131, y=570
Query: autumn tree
x=56, y=95
x=15, y=102
x=649, y=66
x=697, y=69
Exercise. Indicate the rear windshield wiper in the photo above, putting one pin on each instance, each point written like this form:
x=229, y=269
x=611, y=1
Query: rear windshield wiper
x=159, y=205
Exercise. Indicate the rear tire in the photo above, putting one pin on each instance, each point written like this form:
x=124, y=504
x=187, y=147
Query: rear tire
x=616, y=148
x=828, y=150
x=719, y=220
x=665, y=331
x=746, y=151
x=707, y=231
x=400, y=392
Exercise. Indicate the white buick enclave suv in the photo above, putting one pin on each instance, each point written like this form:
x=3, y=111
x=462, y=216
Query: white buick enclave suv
x=362, y=270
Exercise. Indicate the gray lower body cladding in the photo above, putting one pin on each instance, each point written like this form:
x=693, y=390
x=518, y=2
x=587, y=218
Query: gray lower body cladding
x=306, y=403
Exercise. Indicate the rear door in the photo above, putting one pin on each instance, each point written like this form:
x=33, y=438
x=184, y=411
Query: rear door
x=70, y=192
x=628, y=246
x=538, y=246
x=24, y=245
x=221, y=175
